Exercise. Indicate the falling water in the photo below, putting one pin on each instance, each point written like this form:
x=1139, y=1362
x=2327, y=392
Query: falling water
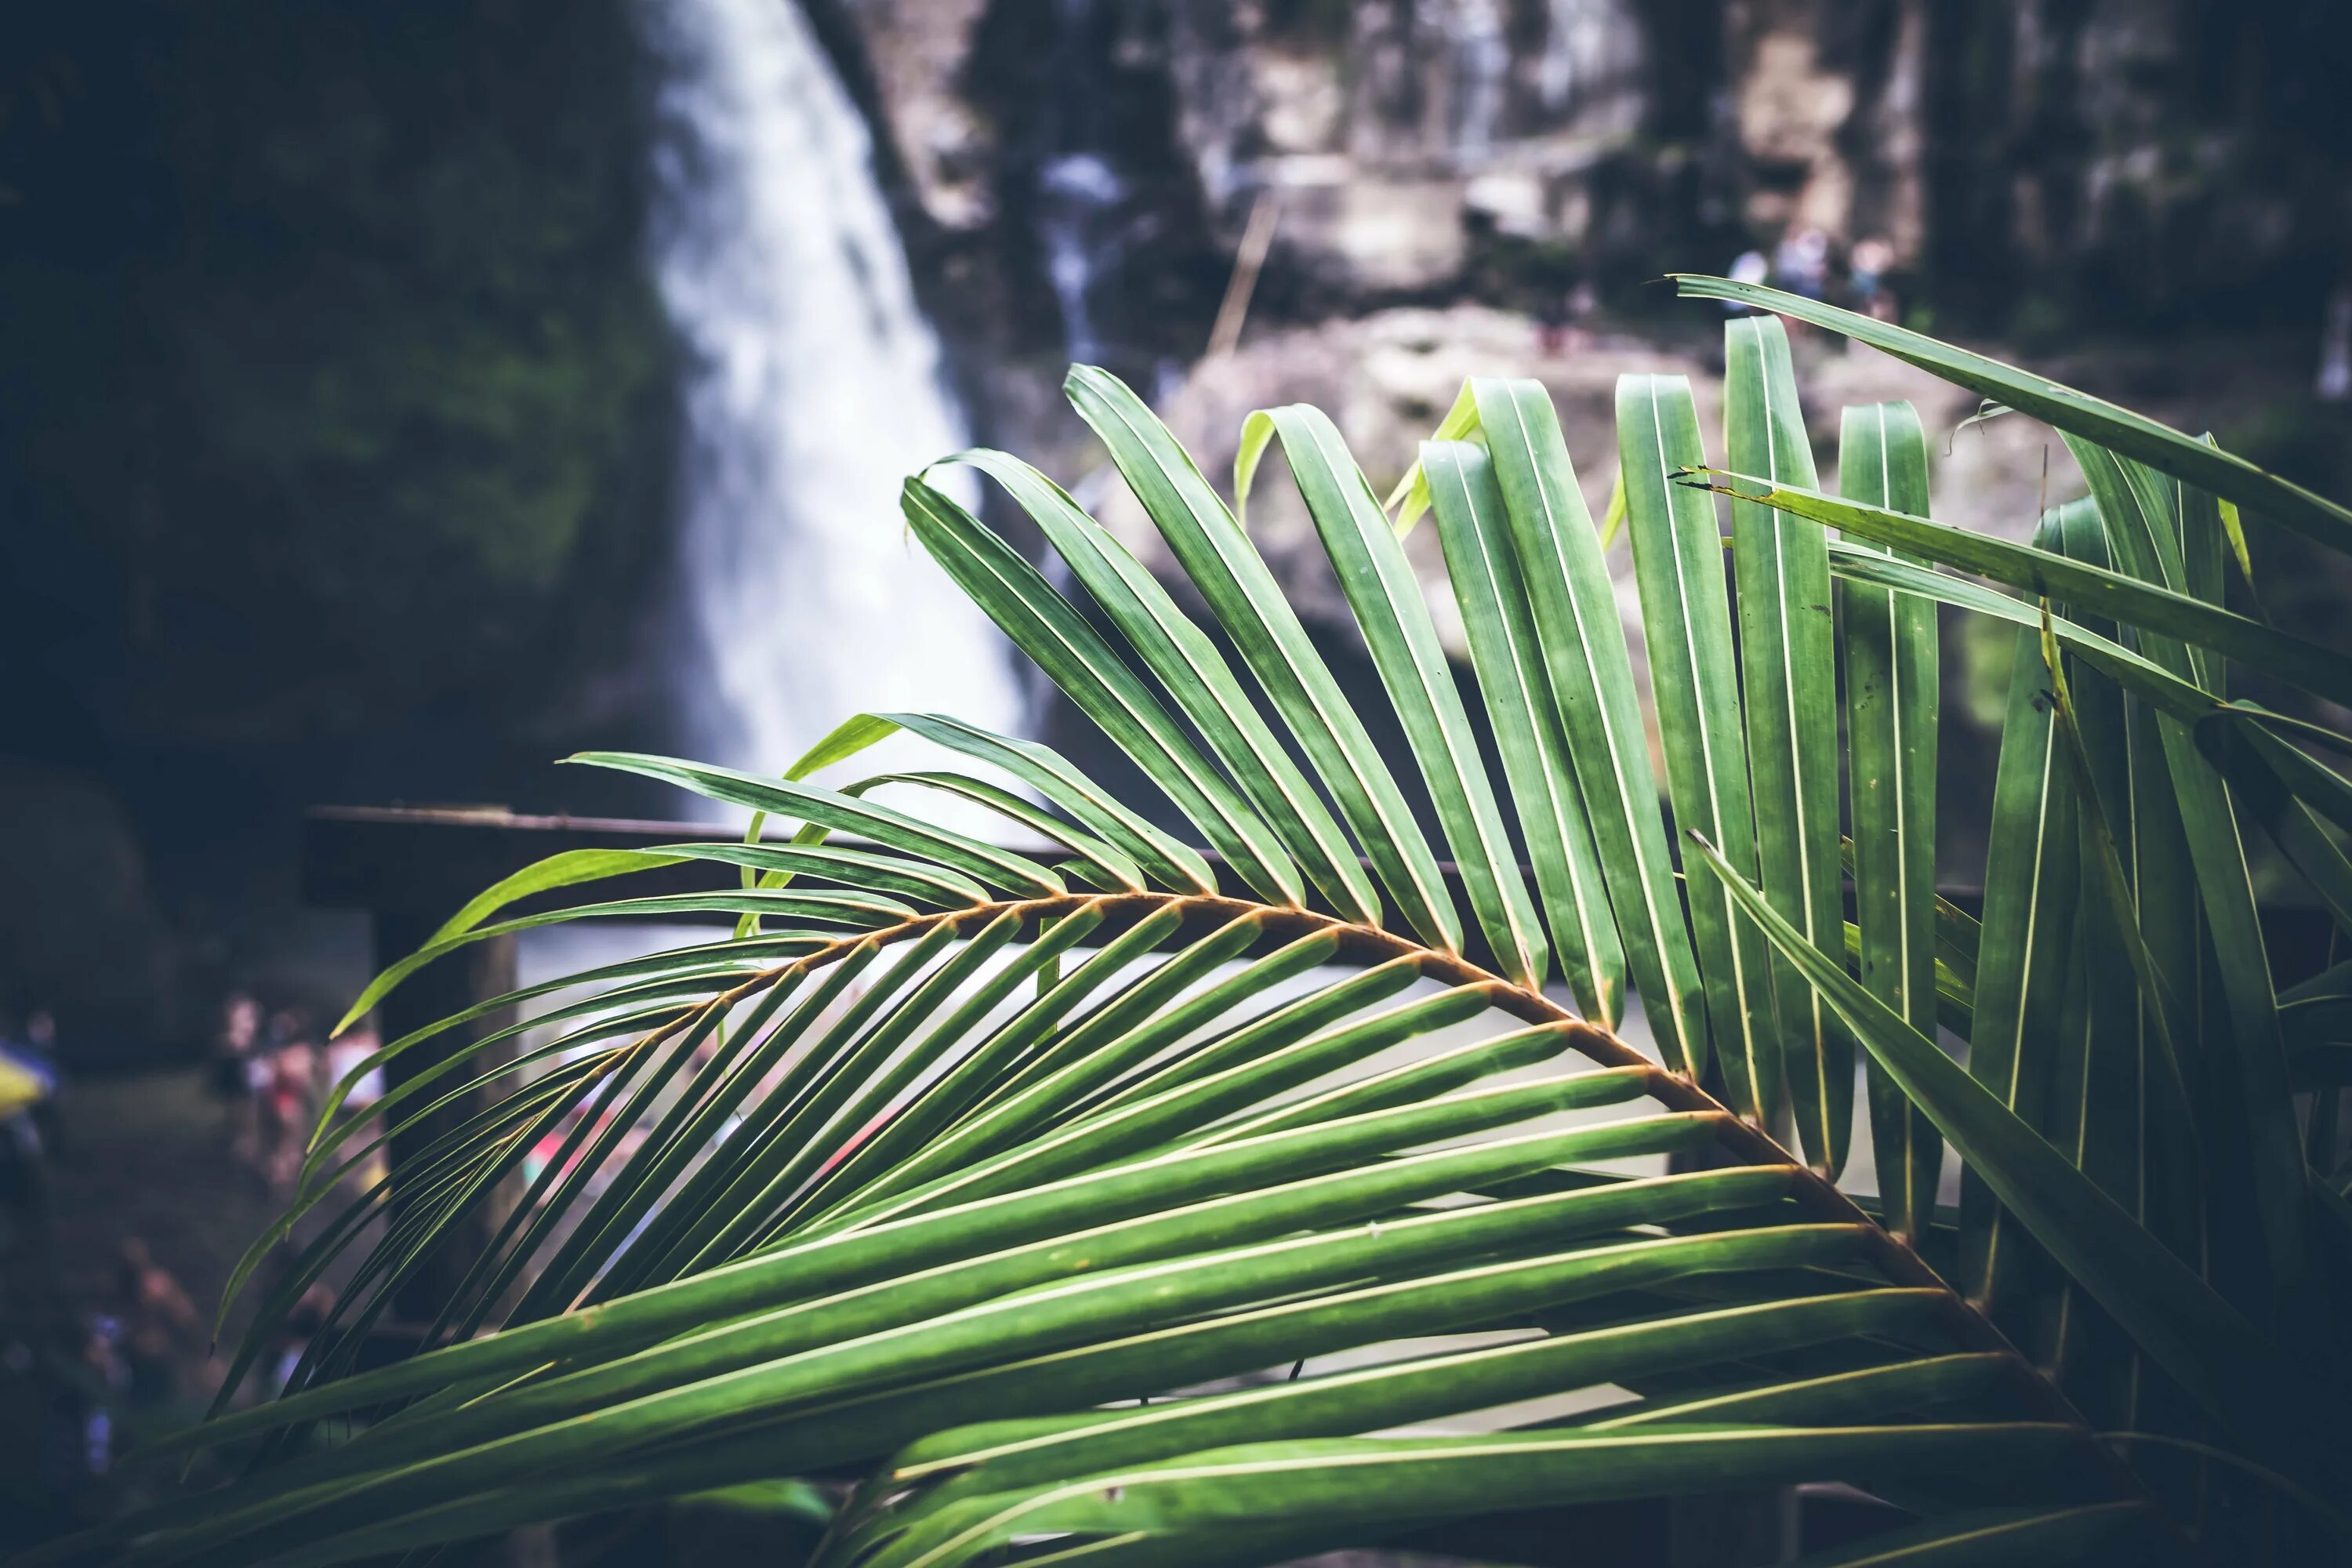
x=812, y=388
x=1590, y=68
x=1078, y=194
x=1081, y=196
x=1482, y=59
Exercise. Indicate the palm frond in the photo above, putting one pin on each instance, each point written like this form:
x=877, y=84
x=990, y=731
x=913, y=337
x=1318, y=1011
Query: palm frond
x=1008, y=1190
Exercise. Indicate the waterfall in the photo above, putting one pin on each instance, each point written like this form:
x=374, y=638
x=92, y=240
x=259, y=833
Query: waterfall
x=1590, y=68
x=813, y=387
x=1482, y=60
x=1081, y=196
x=1078, y=194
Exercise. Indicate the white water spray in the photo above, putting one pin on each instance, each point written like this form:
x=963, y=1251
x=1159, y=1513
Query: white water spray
x=812, y=388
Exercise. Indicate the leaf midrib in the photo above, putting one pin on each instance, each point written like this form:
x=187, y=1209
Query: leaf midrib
x=1744, y=1140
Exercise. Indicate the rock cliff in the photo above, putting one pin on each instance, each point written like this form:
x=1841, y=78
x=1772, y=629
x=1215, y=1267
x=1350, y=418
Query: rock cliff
x=1491, y=186
x=2132, y=158
x=1491, y=183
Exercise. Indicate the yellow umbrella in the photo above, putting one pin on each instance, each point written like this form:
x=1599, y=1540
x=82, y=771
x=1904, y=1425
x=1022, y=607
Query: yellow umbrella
x=19, y=1086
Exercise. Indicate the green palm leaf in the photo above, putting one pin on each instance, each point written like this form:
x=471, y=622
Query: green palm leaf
x=1787, y=654
x=1685, y=610
x=1506, y=651
x=1015, y=1199
x=1380, y=588
x=1892, y=689
x=1191, y=671
x=2078, y=414
x=1242, y=593
x=1591, y=681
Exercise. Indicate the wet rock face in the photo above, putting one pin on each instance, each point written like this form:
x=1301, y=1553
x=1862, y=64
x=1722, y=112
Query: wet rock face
x=1487, y=185
x=918, y=49
x=1398, y=135
x=1079, y=176
x=2129, y=158
x=1825, y=118
x=1386, y=378
x=1394, y=135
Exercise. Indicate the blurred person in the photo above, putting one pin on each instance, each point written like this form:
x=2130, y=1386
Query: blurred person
x=40, y=1036
x=28, y=1083
x=57, y=1429
x=24, y=1181
x=1800, y=263
x=1866, y=275
x=106, y=1380
x=237, y=1074
x=40, y=1048
x=1563, y=318
x=1747, y=267
x=289, y=1101
x=2333, y=384
x=1583, y=299
x=344, y=1055
x=1551, y=321
x=161, y=1336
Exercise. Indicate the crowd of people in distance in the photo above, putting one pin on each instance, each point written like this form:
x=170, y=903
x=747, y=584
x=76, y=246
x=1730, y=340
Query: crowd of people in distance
x=98, y=1352
x=1805, y=262
x=274, y=1077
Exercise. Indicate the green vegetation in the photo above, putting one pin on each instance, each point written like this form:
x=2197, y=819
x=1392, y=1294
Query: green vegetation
x=1019, y=1155
x=332, y=367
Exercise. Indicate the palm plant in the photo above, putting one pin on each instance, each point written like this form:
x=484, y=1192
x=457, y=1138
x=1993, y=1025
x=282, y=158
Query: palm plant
x=1142, y=1208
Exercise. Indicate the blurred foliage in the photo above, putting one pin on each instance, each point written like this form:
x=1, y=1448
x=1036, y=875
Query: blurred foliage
x=329, y=365
x=2145, y=165
x=2310, y=442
